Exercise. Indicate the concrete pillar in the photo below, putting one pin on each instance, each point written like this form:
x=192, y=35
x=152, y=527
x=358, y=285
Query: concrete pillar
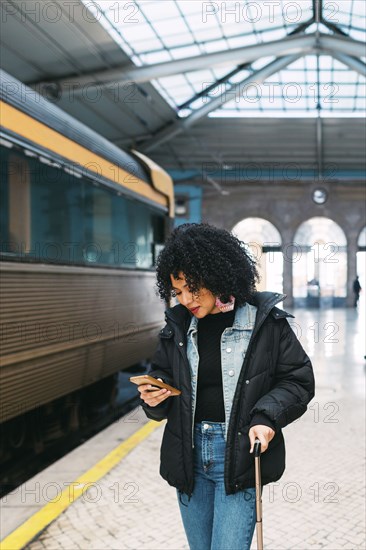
x=287, y=281
x=351, y=266
x=287, y=249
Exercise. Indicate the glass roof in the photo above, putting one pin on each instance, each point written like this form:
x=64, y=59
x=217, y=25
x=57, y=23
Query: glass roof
x=158, y=31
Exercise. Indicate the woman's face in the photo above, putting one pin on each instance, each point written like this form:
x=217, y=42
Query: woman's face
x=204, y=300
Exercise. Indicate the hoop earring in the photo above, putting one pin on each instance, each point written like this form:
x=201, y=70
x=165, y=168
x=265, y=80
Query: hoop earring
x=229, y=306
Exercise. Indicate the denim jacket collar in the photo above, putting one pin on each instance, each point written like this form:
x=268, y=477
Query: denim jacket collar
x=244, y=320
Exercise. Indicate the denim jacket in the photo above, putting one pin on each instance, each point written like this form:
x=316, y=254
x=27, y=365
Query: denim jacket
x=234, y=344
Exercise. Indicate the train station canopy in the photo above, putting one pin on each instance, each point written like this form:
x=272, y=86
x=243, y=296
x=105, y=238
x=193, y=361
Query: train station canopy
x=190, y=82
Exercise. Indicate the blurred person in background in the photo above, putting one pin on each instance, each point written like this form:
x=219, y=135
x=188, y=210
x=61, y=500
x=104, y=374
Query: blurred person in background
x=356, y=290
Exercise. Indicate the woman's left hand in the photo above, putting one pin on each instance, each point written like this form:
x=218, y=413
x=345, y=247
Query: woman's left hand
x=264, y=433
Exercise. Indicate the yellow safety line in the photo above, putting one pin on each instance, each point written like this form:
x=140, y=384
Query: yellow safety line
x=28, y=530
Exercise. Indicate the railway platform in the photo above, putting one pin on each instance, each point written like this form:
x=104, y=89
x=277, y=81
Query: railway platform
x=108, y=492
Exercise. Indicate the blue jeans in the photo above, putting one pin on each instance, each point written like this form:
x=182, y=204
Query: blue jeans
x=212, y=519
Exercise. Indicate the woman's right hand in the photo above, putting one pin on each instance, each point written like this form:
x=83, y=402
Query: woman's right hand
x=153, y=398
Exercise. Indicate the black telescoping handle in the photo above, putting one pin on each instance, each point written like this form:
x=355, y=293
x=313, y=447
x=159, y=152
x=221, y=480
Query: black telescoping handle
x=257, y=447
x=258, y=493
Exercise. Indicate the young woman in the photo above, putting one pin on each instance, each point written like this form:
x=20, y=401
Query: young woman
x=242, y=373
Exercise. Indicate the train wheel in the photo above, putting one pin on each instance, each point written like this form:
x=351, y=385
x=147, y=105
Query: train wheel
x=113, y=400
x=69, y=416
x=17, y=432
x=52, y=423
x=37, y=431
x=74, y=416
x=4, y=446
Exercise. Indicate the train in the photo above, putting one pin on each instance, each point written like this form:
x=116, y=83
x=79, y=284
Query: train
x=82, y=223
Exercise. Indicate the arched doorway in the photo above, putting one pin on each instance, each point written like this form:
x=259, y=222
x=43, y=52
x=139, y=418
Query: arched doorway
x=319, y=264
x=264, y=243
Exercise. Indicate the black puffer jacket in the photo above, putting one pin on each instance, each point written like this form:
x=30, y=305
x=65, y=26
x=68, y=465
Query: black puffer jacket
x=279, y=385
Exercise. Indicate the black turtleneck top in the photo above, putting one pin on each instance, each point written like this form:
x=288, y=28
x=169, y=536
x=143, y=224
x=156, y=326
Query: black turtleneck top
x=210, y=399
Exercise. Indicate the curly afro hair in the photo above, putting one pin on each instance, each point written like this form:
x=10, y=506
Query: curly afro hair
x=209, y=257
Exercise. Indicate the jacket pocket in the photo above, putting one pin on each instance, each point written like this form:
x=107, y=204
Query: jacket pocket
x=272, y=460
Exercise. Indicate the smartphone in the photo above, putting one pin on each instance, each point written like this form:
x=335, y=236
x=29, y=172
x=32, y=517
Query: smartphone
x=147, y=379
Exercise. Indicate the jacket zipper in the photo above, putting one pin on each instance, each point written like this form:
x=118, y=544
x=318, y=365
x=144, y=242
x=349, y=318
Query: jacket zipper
x=184, y=355
x=185, y=358
x=195, y=398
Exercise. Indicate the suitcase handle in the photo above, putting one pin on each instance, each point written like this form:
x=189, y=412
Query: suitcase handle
x=258, y=493
x=257, y=448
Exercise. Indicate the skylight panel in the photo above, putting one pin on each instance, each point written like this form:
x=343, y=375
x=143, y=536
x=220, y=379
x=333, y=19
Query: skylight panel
x=358, y=34
x=294, y=12
x=296, y=75
x=347, y=89
x=298, y=64
x=301, y=104
x=240, y=41
x=341, y=17
x=198, y=103
x=140, y=32
x=194, y=20
x=256, y=65
x=311, y=62
x=167, y=27
x=332, y=9
x=173, y=81
x=147, y=45
x=349, y=15
x=159, y=10
x=200, y=77
x=175, y=40
x=189, y=7
x=215, y=46
x=271, y=35
x=207, y=33
x=347, y=104
x=155, y=57
x=361, y=103
x=325, y=64
x=241, y=75
x=346, y=76
x=185, y=52
x=220, y=71
x=174, y=29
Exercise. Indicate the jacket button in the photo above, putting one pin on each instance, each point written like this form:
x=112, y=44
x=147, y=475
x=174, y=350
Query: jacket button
x=247, y=381
x=228, y=350
x=231, y=372
x=181, y=343
x=239, y=433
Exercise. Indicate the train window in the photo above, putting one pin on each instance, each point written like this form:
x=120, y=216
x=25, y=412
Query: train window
x=49, y=215
x=15, y=203
x=57, y=225
x=4, y=200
